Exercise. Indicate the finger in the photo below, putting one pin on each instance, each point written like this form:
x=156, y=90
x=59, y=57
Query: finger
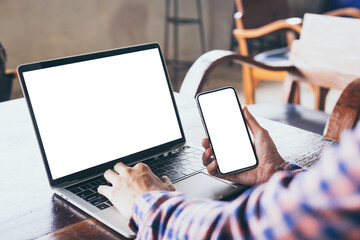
x=251, y=121
x=166, y=180
x=207, y=157
x=212, y=168
x=206, y=143
x=120, y=168
x=141, y=166
x=105, y=190
x=110, y=176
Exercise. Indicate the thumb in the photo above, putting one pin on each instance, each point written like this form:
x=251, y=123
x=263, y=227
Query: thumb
x=251, y=121
x=105, y=190
x=166, y=180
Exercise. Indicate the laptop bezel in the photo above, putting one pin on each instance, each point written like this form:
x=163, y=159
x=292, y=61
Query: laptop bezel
x=102, y=167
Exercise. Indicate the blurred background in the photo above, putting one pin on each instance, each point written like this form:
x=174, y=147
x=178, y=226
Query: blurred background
x=41, y=29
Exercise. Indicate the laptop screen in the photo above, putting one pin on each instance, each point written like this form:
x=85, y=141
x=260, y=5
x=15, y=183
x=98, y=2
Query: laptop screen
x=95, y=111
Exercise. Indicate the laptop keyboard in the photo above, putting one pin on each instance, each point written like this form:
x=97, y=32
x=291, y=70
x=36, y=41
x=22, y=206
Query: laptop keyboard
x=176, y=165
x=88, y=191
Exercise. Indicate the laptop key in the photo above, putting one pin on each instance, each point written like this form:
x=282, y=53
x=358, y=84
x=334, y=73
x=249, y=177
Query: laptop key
x=75, y=190
x=182, y=164
x=159, y=171
x=109, y=203
x=161, y=165
x=172, y=172
x=99, y=183
x=151, y=164
x=197, y=167
x=180, y=169
x=177, y=160
x=185, y=161
x=85, y=186
x=176, y=165
x=102, y=206
x=94, y=184
x=103, y=181
x=99, y=200
x=187, y=171
x=188, y=150
x=84, y=193
x=175, y=176
x=92, y=197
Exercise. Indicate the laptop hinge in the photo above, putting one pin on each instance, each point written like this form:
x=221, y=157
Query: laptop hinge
x=76, y=181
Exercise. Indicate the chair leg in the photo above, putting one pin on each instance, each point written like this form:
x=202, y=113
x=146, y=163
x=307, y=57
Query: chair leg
x=166, y=34
x=291, y=91
x=201, y=26
x=320, y=97
x=256, y=82
x=248, y=85
x=233, y=41
x=6, y=83
x=176, y=42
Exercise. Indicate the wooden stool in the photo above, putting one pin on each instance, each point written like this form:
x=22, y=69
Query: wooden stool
x=175, y=63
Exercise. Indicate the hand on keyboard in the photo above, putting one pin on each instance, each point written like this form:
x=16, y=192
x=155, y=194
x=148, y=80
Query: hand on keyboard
x=130, y=182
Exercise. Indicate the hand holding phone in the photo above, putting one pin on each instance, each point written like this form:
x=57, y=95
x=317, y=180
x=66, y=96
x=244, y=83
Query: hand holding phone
x=227, y=131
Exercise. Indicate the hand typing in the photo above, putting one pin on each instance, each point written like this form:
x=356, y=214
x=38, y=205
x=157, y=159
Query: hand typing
x=130, y=182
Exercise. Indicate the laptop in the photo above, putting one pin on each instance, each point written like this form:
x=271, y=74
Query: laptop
x=94, y=110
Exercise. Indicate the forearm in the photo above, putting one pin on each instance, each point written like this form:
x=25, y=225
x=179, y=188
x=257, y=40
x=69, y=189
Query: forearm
x=176, y=215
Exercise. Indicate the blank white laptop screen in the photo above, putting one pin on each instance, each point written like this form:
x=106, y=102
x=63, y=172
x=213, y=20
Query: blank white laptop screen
x=95, y=111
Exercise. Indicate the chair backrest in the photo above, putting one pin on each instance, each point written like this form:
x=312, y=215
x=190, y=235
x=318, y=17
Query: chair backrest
x=345, y=114
x=327, y=56
x=327, y=53
x=257, y=13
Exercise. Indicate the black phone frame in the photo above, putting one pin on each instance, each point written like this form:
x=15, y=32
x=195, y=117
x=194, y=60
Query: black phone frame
x=208, y=135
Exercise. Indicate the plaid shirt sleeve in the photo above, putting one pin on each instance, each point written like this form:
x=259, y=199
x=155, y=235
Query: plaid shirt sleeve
x=323, y=203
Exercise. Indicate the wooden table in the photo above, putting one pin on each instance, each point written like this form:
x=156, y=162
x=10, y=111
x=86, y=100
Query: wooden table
x=28, y=207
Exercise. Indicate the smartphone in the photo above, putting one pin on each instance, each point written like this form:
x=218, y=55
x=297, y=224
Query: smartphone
x=226, y=128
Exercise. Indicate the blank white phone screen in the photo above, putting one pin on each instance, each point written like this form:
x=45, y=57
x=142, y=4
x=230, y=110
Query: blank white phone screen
x=227, y=130
x=95, y=111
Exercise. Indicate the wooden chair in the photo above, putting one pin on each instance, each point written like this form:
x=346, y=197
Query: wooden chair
x=257, y=18
x=344, y=115
x=325, y=53
x=346, y=112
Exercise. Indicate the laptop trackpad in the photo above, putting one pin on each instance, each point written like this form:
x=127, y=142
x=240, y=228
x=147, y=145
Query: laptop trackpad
x=204, y=186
